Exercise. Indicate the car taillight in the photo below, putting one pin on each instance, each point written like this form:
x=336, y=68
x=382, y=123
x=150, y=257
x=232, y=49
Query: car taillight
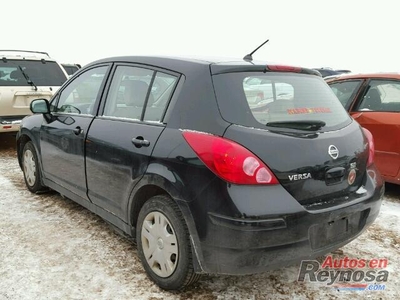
x=229, y=160
x=371, y=146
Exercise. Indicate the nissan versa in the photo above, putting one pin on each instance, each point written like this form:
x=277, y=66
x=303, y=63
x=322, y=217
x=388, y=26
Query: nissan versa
x=172, y=152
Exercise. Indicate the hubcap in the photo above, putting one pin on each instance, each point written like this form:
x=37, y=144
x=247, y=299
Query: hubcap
x=29, y=168
x=159, y=244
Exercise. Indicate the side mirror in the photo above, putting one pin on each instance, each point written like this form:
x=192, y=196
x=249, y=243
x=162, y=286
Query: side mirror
x=40, y=106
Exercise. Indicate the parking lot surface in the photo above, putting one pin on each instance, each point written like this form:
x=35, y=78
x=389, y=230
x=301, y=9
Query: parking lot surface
x=52, y=248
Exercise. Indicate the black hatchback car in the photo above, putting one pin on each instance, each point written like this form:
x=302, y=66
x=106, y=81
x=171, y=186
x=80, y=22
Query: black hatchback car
x=174, y=153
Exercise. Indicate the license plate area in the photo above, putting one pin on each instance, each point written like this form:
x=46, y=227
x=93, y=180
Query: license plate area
x=332, y=232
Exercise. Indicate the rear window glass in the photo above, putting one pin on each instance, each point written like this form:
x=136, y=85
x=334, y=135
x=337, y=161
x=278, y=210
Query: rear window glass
x=19, y=72
x=255, y=99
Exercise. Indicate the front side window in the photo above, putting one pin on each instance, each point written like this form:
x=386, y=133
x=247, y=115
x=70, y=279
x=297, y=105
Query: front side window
x=80, y=95
x=345, y=91
x=30, y=72
x=267, y=99
x=382, y=95
x=139, y=94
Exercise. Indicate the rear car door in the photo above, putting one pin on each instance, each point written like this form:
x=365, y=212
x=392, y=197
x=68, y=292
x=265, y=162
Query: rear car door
x=346, y=90
x=121, y=139
x=378, y=110
x=62, y=139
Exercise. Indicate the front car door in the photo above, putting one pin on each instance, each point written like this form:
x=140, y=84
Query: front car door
x=121, y=139
x=62, y=139
x=346, y=91
x=378, y=111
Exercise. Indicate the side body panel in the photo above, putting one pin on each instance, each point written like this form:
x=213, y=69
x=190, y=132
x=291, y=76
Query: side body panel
x=114, y=165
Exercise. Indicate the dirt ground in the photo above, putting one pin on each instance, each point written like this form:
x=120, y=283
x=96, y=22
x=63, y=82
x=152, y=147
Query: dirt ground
x=52, y=248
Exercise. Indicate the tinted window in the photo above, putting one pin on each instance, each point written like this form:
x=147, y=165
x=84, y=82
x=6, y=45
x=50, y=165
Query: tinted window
x=79, y=96
x=70, y=69
x=46, y=73
x=382, y=95
x=135, y=91
x=161, y=89
x=128, y=92
x=345, y=91
x=258, y=89
x=286, y=98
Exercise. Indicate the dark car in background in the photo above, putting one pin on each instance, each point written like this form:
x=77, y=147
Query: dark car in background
x=71, y=68
x=325, y=72
x=174, y=153
x=373, y=100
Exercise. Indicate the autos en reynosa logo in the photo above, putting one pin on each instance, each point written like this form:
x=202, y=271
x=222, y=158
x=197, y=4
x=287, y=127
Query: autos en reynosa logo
x=346, y=273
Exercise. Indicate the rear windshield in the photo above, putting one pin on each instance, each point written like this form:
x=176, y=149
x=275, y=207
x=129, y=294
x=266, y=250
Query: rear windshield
x=256, y=99
x=16, y=72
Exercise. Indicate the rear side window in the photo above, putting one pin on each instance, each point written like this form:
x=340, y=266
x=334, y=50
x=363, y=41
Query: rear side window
x=139, y=94
x=41, y=73
x=161, y=90
x=255, y=99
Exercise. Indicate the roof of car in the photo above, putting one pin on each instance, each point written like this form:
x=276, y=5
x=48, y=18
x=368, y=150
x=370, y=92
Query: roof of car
x=386, y=75
x=24, y=54
x=172, y=60
x=188, y=64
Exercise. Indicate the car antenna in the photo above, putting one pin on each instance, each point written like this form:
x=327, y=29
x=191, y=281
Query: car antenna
x=249, y=57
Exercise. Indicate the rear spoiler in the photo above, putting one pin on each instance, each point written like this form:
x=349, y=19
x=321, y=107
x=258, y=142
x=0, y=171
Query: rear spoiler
x=251, y=67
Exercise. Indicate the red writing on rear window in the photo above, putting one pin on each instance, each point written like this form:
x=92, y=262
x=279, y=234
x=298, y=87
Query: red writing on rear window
x=306, y=110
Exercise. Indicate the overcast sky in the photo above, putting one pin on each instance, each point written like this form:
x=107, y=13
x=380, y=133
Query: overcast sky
x=357, y=35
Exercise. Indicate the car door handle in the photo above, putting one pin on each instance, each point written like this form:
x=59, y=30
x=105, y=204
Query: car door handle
x=140, y=142
x=78, y=130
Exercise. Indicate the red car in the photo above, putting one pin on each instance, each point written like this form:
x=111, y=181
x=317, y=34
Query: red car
x=373, y=100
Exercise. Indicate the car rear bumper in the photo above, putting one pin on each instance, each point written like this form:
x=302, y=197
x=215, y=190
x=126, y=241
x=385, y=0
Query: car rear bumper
x=250, y=245
x=10, y=123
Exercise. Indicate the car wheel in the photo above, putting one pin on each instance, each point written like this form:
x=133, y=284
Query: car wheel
x=31, y=169
x=164, y=245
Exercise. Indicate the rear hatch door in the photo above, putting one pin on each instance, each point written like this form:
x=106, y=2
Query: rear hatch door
x=301, y=131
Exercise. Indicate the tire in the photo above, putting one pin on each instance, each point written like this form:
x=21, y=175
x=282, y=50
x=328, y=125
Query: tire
x=31, y=169
x=164, y=245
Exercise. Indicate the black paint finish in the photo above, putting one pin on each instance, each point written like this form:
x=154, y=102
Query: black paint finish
x=112, y=166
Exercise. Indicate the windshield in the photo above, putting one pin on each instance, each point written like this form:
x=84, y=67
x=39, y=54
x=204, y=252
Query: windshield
x=41, y=73
x=264, y=100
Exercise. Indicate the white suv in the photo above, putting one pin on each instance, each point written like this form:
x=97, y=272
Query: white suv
x=25, y=76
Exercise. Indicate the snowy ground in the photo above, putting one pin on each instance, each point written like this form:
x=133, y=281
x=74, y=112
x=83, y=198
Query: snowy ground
x=51, y=248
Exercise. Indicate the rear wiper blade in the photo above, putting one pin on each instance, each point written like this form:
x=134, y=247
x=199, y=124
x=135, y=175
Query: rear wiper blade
x=27, y=78
x=301, y=124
